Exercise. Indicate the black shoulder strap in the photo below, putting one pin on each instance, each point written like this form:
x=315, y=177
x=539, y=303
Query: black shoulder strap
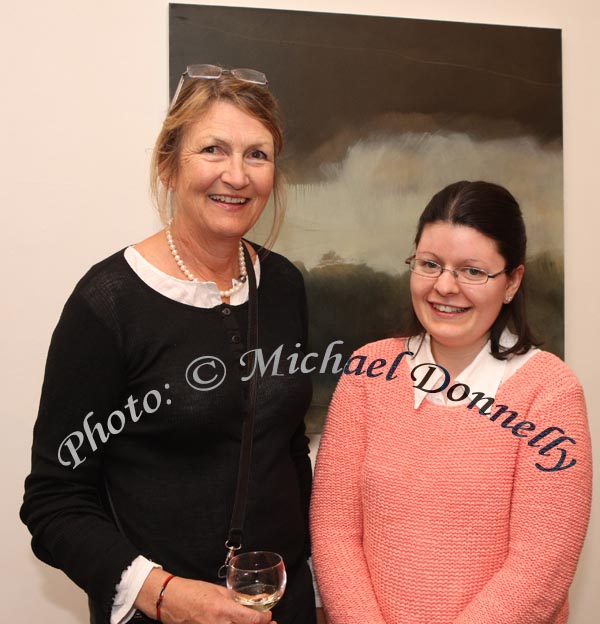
x=234, y=538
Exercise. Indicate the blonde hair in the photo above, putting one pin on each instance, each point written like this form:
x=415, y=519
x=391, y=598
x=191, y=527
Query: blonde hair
x=195, y=98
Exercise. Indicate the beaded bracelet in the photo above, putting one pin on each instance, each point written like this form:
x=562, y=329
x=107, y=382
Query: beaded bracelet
x=162, y=595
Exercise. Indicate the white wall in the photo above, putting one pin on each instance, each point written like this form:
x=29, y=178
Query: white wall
x=84, y=90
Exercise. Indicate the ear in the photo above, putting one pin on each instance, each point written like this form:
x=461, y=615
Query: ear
x=166, y=175
x=168, y=183
x=515, y=277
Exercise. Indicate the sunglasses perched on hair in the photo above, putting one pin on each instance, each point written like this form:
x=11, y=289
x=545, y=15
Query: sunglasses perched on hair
x=214, y=72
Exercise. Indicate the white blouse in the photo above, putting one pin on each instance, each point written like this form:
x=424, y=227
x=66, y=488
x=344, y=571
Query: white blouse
x=484, y=374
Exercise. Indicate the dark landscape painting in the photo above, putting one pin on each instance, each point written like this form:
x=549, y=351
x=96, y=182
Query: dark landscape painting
x=381, y=113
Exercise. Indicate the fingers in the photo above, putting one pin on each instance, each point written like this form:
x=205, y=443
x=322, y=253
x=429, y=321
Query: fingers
x=199, y=602
x=247, y=616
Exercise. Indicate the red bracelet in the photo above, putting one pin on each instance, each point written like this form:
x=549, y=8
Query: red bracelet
x=162, y=595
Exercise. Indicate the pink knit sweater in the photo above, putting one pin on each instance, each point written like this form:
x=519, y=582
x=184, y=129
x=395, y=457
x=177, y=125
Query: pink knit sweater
x=439, y=515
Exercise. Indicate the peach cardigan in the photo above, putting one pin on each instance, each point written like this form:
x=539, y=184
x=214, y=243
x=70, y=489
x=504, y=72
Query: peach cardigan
x=439, y=515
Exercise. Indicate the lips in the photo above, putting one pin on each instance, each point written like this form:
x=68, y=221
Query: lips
x=446, y=309
x=228, y=199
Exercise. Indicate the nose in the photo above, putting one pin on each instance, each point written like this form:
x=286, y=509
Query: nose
x=234, y=174
x=446, y=283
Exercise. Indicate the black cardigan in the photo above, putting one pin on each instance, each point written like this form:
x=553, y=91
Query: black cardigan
x=118, y=411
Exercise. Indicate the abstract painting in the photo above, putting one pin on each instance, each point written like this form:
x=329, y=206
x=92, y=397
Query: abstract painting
x=381, y=113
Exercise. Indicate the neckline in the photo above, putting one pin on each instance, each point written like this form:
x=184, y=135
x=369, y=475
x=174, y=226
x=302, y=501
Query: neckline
x=503, y=388
x=198, y=295
x=176, y=302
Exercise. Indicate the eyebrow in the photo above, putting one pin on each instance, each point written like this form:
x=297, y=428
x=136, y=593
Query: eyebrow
x=212, y=138
x=476, y=260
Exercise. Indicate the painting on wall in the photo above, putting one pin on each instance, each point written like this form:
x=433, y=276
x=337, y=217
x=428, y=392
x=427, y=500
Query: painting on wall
x=381, y=113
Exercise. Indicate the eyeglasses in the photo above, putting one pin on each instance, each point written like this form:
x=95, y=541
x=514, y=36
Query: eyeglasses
x=465, y=275
x=214, y=72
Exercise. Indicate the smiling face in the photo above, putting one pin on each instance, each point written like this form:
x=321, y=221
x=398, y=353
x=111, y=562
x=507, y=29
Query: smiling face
x=225, y=173
x=457, y=315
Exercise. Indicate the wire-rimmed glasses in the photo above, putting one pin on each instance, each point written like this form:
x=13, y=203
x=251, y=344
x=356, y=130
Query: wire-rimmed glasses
x=465, y=275
x=214, y=72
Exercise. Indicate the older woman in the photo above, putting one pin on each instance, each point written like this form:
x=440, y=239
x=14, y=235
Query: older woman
x=137, y=443
x=453, y=481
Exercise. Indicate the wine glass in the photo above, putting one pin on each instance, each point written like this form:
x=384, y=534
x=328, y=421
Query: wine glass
x=256, y=579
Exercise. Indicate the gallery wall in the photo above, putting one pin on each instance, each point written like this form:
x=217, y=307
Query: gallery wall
x=84, y=92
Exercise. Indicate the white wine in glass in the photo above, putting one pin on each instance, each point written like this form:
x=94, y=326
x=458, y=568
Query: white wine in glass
x=256, y=579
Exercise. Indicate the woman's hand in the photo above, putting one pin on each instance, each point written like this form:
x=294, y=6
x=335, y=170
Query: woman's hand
x=321, y=619
x=187, y=601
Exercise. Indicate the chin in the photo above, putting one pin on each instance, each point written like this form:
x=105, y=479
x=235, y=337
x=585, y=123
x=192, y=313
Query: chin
x=230, y=231
x=459, y=341
x=235, y=229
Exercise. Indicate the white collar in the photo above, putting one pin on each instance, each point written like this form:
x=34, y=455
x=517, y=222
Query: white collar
x=484, y=374
x=197, y=294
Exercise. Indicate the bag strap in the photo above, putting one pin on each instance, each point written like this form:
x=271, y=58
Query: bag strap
x=234, y=538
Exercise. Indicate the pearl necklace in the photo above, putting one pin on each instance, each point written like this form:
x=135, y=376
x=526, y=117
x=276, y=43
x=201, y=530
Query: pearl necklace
x=191, y=277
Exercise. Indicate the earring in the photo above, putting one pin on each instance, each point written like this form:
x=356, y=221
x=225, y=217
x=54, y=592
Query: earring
x=507, y=299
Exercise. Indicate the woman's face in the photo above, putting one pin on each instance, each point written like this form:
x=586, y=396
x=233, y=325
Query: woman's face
x=226, y=173
x=458, y=315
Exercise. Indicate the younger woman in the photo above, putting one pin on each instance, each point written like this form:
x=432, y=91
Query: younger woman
x=453, y=482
